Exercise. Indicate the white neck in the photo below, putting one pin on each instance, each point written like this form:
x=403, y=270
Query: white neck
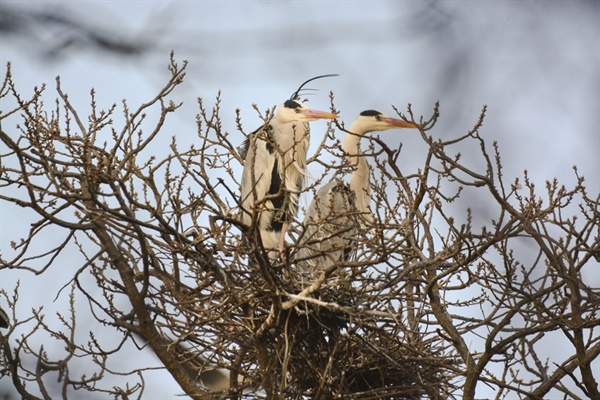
x=359, y=180
x=289, y=134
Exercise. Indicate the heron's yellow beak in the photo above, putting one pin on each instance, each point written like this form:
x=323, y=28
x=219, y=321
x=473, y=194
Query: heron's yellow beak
x=312, y=115
x=398, y=123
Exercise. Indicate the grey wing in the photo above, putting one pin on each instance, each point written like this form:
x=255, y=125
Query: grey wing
x=245, y=146
x=329, y=226
x=256, y=178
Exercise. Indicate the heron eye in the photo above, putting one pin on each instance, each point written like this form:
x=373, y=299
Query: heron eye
x=378, y=118
x=296, y=110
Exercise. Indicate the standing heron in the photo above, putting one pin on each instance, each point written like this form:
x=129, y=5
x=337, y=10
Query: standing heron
x=275, y=169
x=339, y=209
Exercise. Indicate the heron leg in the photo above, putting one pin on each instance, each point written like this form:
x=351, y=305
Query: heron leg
x=284, y=227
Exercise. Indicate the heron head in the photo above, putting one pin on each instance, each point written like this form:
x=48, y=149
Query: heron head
x=294, y=110
x=372, y=120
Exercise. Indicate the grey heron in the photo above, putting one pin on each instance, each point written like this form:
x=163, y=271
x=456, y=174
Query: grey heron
x=339, y=209
x=275, y=170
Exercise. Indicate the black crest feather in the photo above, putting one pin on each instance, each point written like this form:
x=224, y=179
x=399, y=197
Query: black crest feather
x=296, y=94
x=370, y=113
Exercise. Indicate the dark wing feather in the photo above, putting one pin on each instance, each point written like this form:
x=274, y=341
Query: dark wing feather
x=245, y=146
x=280, y=215
x=4, y=319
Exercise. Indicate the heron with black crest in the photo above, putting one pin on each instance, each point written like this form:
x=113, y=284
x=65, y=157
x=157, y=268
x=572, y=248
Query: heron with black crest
x=340, y=208
x=275, y=170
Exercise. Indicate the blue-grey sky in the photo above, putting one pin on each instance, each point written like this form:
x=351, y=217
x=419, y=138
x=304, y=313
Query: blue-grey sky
x=535, y=64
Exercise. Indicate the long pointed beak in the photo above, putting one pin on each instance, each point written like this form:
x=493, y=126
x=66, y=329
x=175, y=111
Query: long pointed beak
x=315, y=114
x=398, y=123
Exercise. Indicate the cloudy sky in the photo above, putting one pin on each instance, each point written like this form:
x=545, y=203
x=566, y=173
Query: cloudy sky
x=535, y=64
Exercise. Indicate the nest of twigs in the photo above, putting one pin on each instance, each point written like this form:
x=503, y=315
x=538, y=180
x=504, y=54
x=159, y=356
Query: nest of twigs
x=332, y=354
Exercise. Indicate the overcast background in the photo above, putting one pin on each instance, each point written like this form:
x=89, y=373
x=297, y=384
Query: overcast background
x=536, y=64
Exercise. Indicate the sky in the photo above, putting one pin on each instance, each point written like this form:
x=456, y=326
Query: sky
x=536, y=65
